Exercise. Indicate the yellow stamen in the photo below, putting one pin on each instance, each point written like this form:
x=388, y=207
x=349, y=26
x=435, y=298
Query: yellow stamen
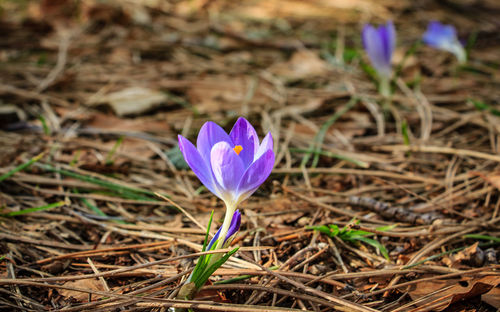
x=238, y=149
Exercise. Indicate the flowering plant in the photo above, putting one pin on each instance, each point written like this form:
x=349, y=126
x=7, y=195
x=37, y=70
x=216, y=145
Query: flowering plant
x=379, y=44
x=232, y=166
x=444, y=37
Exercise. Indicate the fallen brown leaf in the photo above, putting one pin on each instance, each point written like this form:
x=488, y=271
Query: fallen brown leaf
x=479, y=287
x=452, y=291
x=88, y=284
x=144, y=124
x=456, y=260
x=131, y=101
x=492, y=298
x=302, y=65
x=226, y=93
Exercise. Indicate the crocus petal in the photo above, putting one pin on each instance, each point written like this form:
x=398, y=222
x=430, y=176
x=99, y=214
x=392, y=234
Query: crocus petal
x=379, y=45
x=244, y=134
x=374, y=47
x=233, y=228
x=235, y=225
x=390, y=41
x=214, y=239
x=266, y=145
x=444, y=37
x=439, y=35
x=197, y=164
x=256, y=174
x=210, y=134
x=227, y=167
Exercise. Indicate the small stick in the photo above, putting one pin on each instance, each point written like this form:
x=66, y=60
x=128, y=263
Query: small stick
x=96, y=271
x=335, y=250
x=183, y=211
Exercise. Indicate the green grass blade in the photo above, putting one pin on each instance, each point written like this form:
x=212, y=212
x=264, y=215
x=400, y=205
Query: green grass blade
x=405, y=133
x=123, y=194
x=94, y=208
x=481, y=106
x=432, y=258
x=315, y=147
x=208, y=272
x=74, y=161
x=349, y=235
x=374, y=244
x=46, y=129
x=205, y=241
x=99, y=212
x=233, y=280
x=125, y=191
x=386, y=228
x=34, y=209
x=203, y=260
x=22, y=166
x=199, y=190
x=352, y=233
x=331, y=231
x=483, y=237
x=109, y=156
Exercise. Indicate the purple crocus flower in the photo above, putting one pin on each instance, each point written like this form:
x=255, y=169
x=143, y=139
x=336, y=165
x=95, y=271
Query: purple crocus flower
x=232, y=166
x=444, y=37
x=379, y=44
x=233, y=229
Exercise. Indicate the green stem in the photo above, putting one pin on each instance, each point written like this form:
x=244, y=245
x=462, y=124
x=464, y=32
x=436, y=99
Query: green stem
x=223, y=232
x=385, y=87
x=460, y=53
x=225, y=226
x=22, y=166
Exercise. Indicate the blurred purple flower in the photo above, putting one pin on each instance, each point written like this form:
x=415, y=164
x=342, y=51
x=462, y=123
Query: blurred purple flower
x=444, y=37
x=379, y=44
x=233, y=228
x=231, y=166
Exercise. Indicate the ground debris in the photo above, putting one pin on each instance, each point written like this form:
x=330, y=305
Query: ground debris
x=97, y=203
x=395, y=212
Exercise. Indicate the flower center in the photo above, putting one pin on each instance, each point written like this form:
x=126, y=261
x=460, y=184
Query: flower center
x=238, y=149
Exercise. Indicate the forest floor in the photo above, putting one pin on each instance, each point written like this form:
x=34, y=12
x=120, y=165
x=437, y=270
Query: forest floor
x=94, y=93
